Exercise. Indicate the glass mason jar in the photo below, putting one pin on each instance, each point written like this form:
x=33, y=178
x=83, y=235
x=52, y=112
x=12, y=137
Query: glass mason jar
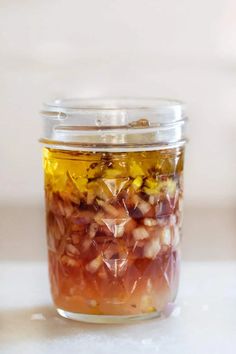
x=114, y=192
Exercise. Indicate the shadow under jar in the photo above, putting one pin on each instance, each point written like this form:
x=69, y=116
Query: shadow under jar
x=114, y=193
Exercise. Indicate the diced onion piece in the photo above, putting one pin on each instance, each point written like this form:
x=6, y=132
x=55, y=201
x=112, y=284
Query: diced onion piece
x=86, y=244
x=135, y=199
x=140, y=233
x=68, y=209
x=60, y=208
x=82, y=217
x=99, y=218
x=152, y=199
x=151, y=183
x=60, y=224
x=135, y=169
x=169, y=187
x=112, y=173
x=93, y=228
x=90, y=196
x=55, y=232
x=166, y=237
x=137, y=182
x=119, y=230
x=72, y=250
x=149, y=191
x=94, y=265
x=149, y=222
x=81, y=183
x=152, y=248
x=144, y=207
x=108, y=208
x=68, y=261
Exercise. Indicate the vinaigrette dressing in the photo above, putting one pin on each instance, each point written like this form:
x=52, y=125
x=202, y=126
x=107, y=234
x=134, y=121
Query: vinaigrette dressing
x=113, y=229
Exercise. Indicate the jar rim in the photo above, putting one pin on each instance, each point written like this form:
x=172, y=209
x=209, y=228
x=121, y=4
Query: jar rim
x=113, y=104
x=114, y=121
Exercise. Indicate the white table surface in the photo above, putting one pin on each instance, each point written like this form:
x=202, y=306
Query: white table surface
x=203, y=321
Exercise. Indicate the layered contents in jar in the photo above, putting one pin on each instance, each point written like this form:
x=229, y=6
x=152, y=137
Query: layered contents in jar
x=113, y=229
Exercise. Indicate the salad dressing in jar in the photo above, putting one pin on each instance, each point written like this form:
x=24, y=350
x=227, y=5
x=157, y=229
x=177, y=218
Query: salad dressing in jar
x=114, y=192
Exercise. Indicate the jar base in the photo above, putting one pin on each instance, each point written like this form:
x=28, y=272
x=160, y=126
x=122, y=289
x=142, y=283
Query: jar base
x=106, y=319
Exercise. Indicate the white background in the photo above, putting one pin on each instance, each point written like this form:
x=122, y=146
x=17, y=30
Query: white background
x=184, y=49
